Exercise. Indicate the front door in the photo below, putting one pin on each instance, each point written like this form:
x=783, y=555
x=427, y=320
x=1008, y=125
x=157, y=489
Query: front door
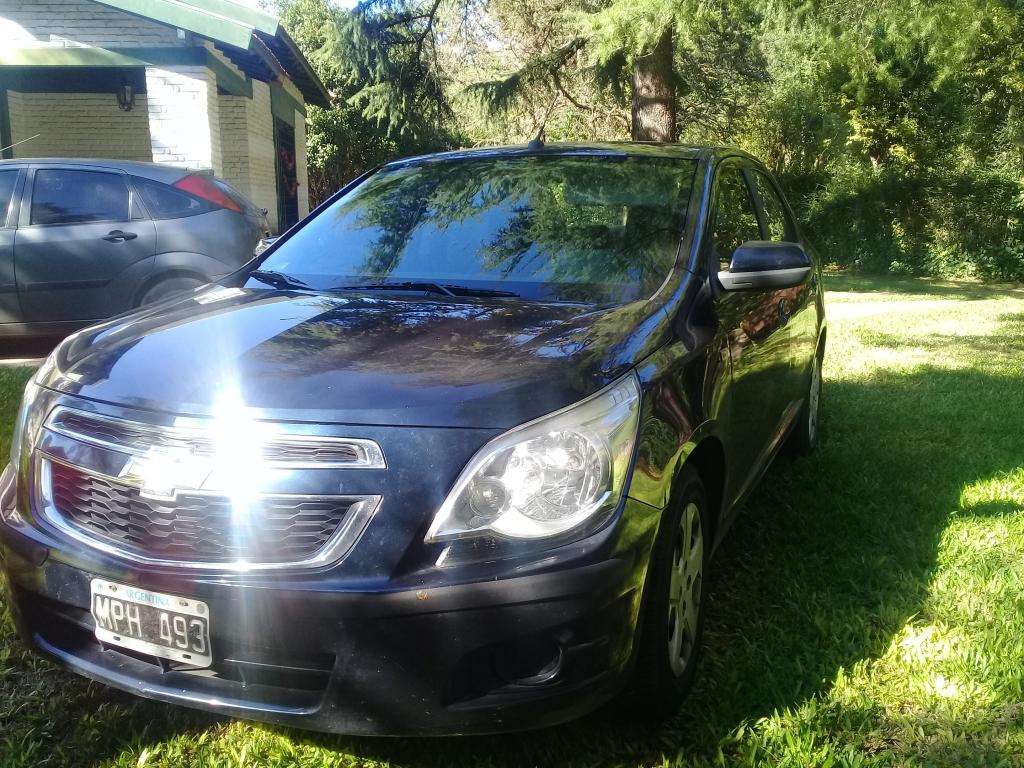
x=75, y=245
x=287, y=175
x=798, y=302
x=10, y=310
x=753, y=324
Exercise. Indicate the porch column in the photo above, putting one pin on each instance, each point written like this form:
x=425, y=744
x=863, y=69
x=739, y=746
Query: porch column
x=184, y=120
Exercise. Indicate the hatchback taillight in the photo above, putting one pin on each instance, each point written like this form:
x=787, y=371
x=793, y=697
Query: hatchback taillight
x=204, y=188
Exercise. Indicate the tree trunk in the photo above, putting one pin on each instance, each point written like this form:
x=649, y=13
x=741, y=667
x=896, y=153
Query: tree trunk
x=654, y=96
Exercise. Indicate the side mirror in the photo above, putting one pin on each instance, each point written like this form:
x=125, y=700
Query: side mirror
x=758, y=265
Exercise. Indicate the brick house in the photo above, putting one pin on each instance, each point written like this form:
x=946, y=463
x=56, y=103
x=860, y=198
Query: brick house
x=203, y=83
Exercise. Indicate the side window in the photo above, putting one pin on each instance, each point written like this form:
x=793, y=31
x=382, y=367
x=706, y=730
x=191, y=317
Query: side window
x=61, y=196
x=735, y=219
x=166, y=202
x=775, y=219
x=8, y=179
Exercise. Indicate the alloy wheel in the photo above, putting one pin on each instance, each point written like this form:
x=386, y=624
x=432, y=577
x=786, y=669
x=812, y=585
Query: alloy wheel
x=685, y=587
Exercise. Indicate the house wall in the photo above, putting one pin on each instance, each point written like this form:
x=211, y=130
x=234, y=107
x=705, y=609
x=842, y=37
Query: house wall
x=249, y=158
x=234, y=141
x=262, y=157
x=79, y=21
x=301, y=171
x=78, y=125
x=181, y=119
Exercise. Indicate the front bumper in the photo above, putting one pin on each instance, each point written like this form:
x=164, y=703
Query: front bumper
x=503, y=654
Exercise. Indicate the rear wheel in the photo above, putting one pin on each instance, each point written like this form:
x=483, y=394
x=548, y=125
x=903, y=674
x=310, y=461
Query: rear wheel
x=171, y=286
x=673, y=620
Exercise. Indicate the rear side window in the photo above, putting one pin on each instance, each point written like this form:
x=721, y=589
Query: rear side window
x=7, y=181
x=776, y=222
x=166, y=202
x=735, y=219
x=62, y=196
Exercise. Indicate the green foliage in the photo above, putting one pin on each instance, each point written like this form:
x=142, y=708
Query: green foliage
x=896, y=128
x=347, y=139
x=895, y=131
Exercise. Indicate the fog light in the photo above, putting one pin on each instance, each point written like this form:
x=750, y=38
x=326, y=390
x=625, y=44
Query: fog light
x=529, y=661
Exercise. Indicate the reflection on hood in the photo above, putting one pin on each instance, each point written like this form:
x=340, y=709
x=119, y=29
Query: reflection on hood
x=359, y=359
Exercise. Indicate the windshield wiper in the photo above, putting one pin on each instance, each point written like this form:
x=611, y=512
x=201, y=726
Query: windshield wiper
x=279, y=279
x=407, y=285
x=443, y=289
x=465, y=290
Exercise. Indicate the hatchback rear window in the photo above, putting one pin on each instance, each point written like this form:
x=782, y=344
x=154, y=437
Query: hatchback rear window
x=599, y=229
x=166, y=202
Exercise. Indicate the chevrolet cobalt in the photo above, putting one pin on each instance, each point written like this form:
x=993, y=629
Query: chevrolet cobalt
x=452, y=456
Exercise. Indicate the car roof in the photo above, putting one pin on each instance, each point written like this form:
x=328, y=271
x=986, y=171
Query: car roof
x=578, y=149
x=155, y=171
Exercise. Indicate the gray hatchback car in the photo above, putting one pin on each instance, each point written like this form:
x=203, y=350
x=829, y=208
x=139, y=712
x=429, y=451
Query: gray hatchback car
x=82, y=240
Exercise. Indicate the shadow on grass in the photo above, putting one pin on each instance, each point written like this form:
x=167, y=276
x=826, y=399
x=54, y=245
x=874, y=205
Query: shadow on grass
x=832, y=557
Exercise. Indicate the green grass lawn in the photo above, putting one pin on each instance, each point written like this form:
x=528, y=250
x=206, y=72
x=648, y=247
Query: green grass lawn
x=868, y=609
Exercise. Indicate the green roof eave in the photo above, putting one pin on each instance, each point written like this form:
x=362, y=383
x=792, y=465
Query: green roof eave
x=229, y=23
x=235, y=29
x=66, y=57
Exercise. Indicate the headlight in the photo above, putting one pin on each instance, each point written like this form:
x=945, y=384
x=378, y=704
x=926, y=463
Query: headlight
x=549, y=476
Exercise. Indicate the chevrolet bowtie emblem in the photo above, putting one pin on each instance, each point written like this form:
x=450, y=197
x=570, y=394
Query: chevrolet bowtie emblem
x=161, y=477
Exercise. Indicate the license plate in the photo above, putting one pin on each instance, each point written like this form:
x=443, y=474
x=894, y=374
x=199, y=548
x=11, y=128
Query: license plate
x=167, y=626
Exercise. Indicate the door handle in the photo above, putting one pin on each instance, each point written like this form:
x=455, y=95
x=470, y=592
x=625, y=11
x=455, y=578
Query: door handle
x=117, y=236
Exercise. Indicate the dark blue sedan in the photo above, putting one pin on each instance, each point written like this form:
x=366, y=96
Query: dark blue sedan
x=452, y=457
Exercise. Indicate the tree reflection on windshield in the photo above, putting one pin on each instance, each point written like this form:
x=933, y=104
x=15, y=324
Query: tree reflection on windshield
x=598, y=229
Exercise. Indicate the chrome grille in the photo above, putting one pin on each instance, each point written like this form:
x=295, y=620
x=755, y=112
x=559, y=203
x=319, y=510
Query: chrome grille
x=195, y=527
x=279, y=449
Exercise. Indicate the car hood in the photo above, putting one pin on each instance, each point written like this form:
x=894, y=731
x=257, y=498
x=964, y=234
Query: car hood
x=357, y=359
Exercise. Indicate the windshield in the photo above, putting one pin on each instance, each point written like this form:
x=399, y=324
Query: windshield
x=557, y=228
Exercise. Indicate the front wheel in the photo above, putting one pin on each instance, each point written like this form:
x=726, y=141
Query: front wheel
x=805, y=432
x=673, y=619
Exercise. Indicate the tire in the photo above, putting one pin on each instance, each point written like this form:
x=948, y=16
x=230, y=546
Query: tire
x=804, y=438
x=672, y=623
x=168, y=287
